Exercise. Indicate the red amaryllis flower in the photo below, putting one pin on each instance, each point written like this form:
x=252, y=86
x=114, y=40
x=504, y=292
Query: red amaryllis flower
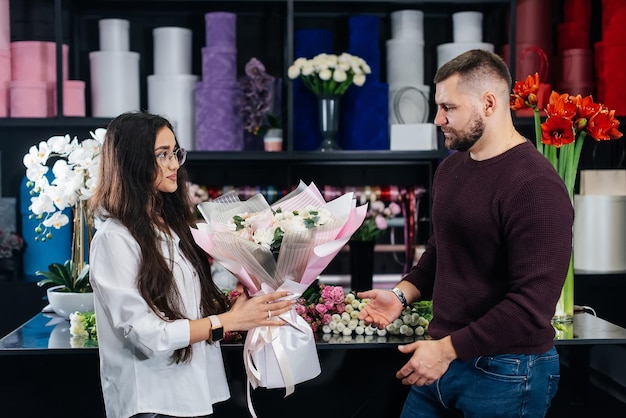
x=562, y=105
x=603, y=126
x=560, y=139
x=557, y=131
x=587, y=108
x=570, y=119
x=525, y=93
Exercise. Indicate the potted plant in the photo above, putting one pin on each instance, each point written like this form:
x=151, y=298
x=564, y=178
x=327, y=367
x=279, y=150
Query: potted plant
x=260, y=102
x=75, y=171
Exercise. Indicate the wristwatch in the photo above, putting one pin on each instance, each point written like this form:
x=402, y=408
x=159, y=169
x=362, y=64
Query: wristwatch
x=400, y=294
x=216, y=333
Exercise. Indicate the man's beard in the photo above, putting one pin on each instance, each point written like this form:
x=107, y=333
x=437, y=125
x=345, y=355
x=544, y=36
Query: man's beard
x=463, y=141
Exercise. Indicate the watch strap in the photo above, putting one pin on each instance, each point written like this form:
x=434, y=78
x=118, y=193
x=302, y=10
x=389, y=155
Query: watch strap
x=216, y=332
x=400, y=294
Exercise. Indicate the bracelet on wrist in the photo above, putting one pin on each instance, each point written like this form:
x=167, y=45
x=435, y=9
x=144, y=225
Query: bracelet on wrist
x=400, y=294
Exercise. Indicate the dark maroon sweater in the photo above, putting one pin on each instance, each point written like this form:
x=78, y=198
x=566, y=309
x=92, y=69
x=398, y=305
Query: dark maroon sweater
x=497, y=260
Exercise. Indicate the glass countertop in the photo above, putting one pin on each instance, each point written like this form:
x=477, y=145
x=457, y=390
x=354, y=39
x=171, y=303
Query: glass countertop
x=48, y=333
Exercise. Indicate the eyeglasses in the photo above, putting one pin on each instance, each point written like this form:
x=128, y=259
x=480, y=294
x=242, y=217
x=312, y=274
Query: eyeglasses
x=165, y=158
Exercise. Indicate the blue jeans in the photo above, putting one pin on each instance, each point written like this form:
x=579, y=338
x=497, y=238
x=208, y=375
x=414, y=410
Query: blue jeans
x=508, y=385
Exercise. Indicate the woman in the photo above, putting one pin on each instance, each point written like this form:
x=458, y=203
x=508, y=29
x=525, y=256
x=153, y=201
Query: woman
x=159, y=314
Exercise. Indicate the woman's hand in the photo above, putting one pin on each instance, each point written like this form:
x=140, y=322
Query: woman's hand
x=251, y=312
x=382, y=309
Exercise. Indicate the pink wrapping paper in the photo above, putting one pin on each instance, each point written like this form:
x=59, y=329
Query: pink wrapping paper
x=298, y=262
x=279, y=356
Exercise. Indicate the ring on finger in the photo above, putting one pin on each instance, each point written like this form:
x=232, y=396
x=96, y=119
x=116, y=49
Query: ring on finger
x=269, y=314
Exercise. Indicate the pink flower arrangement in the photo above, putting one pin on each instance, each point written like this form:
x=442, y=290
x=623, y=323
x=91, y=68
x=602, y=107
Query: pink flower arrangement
x=319, y=305
x=375, y=222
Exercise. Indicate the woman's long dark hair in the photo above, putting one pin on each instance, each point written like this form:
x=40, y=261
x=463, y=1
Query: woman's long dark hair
x=126, y=192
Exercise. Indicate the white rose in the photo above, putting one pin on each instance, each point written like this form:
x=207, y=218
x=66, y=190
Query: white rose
x=359, y=79
x=340, y=75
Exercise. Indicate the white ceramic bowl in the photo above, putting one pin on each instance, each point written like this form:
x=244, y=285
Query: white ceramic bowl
x=65, y=303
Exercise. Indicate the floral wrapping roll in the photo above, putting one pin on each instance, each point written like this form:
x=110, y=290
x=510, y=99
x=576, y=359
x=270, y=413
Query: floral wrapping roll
x=282, y=246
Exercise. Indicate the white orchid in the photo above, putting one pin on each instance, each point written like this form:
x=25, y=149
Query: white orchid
x=73, y=179
x=329, y=73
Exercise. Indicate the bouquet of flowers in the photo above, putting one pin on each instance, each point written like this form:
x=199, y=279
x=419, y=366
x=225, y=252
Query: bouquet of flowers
x=330, y=74
x=570, y=120
x=284, y=246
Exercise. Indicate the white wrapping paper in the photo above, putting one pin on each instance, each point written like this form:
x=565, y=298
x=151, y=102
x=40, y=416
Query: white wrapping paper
x=281, y=357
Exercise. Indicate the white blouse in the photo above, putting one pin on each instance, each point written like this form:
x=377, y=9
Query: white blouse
x=135, y=345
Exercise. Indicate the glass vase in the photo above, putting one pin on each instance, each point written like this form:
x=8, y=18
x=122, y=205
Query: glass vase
x=82, y=233
x=328, y=119
x=564, y=312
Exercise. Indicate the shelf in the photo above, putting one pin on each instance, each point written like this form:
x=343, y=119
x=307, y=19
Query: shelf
x=70, y=122
x=371, y=157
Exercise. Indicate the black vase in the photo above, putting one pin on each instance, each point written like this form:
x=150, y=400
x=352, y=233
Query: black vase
x=361, y=265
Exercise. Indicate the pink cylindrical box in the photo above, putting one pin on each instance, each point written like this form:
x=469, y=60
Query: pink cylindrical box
x=73, y=98
x=28, y=99
x=36, y=61
x=4, y=99
x=5, y=25
x=5, y=65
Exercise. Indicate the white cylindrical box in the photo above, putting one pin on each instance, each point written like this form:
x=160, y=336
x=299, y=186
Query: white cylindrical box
x=445, y=52
x=173, y=96
x=114, y=82
x=600, y=233
x=407, y=24
x=467, y=27
x=114, y=34
x=405, y=62
x=172, y=50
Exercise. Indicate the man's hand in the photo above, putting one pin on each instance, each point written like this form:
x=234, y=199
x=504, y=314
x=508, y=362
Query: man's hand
x=430, y=360
x=383, y=308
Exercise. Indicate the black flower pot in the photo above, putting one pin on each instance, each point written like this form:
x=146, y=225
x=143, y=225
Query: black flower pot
x=362, y=265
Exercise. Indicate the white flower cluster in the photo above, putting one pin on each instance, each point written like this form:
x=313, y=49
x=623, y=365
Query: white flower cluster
x=83, y=329
x=329, y=73
x=266, y=228
x=348, y=322
x=75, y=173
x=408, y=324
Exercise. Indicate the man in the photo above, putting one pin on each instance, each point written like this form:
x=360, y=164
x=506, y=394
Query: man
x=495, y=264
